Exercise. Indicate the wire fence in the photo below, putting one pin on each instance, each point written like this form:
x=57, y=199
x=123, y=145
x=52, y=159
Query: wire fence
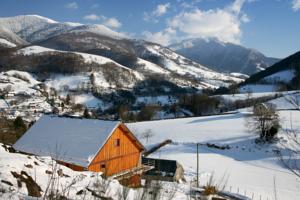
x=239, y=192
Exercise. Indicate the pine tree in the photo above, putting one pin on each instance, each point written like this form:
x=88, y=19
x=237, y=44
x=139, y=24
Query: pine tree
x=19, y=123
x=68, y=99
x=86, y=113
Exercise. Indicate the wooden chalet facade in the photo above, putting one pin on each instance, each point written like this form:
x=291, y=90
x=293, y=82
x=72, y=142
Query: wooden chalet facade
x=84, y=144
x=121, y=152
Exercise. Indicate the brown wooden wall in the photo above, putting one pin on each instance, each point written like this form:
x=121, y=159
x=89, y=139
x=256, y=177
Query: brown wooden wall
x=117, y=158
x=72, y=166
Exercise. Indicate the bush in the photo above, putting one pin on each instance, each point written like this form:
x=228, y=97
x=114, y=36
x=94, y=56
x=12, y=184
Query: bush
x=265, y=121
x=199, y=104
x=19, y=123
x=147, y=112
x=210, y=190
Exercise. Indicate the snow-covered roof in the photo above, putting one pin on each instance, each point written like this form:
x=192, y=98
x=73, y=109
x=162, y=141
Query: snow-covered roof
x=73, y=140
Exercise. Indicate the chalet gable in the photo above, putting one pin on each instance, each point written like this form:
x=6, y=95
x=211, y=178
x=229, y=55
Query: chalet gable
x=72, y=140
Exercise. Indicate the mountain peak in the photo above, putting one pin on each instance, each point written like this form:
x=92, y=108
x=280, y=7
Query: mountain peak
x=43, y=18
x=28, y=18
x=222, y=56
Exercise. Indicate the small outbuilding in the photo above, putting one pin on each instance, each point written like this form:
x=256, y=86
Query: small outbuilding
x=164, y=170
x=84, y=144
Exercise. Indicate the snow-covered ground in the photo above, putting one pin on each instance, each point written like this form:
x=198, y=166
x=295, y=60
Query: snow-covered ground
x=161, y=100
x=18, y=82
x=72, y=184
x=248, y=167
x=151, y=66
x=61, y=82
x=37, y=168
x=258, y=88
x=89, y=100
x=251, y=94
x=282, y=76
x=4, y=42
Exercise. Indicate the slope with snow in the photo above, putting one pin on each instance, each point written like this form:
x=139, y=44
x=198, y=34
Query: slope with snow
x=183, y=66
x=5, y=43
x=37, y=168
x=223, y=57
x=18, y=82
x=247, y=167
x=282, y=76
x=71, y=184
x=32, y=28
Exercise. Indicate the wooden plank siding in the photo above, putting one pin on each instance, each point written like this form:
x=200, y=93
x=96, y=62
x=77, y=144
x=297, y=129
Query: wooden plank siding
x=113, y=159
x=72, y=166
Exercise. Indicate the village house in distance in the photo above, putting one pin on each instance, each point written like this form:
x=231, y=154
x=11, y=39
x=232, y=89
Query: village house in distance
x=84, y=144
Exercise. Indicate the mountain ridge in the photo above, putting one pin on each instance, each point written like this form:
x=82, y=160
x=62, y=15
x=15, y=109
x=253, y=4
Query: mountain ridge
x=223, y=57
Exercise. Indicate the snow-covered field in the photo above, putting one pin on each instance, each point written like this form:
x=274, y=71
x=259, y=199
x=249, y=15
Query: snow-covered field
x=89, y=100
x=6, y=43
x=258, y=88
x=38, y=167
x=249, y=168
x=72, y=184
x=162, y=100
x=282, y=76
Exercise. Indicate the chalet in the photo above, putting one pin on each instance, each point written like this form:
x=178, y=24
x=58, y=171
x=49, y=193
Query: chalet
x=84, y=144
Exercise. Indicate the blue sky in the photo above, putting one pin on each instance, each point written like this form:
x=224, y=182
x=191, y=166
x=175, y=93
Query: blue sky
x=270, y=26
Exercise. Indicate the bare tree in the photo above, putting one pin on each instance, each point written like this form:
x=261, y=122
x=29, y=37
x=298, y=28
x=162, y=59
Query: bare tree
x=249, y=93
x=293, y=100
x=147, y=135
x=265, y=121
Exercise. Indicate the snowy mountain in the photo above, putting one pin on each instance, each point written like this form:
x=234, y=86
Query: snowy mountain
x=32, y=28
x=129, y=52
x=282, y=76
x=96, y=66
x=285, y=74
x=139, y=56
x=223, y=57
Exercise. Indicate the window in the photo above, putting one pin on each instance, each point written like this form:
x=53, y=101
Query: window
x=117, y=142
x=102, y=166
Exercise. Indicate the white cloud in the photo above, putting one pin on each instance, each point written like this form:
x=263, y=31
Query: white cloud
x=110, y=22
x=236, y=6
x=160, y=10
x=296, y=5
x=223, y=24
x=93, y=17
x=189, y=5
x=163, y=37
x=113, y=23
x=73, y=5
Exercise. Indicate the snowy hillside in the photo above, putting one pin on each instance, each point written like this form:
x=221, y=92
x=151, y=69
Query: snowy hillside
x=223, y=57
x=142, y=57
x=283, y=75
x=33, y=28
x=183, y=66
x=5, y=43
x=42, y=170
x=249, y=169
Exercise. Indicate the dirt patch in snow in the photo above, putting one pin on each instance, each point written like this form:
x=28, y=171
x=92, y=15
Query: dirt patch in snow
x=33, y=188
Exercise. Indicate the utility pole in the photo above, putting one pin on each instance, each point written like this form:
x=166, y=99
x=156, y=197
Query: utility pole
x=197, y=165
